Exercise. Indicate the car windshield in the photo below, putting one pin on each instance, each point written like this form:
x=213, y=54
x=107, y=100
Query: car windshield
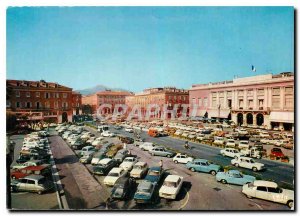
x=251, y=161
x=144, y=190
x=42, y=181
x=138, y=167
x=154, y=173
x=128, y=160
x=113, y=174
x=170, y=184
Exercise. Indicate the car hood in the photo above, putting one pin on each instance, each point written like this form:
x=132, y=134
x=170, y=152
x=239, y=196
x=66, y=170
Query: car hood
x=152, y=178
x=126, y=164
x=167, y=190
x=110, y=179
x=258, y=164
x=136, y=171
x=142, y=196
x=288, y=193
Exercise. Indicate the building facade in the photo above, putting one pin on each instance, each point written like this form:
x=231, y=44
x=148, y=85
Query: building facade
x=167, y=96
x=40, y=100
x=76, y=103
x=262, y=100
x=105, y=97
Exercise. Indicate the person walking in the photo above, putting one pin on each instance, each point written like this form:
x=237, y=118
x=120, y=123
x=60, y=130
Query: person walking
x=161, y=163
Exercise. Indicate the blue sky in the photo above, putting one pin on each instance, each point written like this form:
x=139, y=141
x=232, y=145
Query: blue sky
x=141, y=47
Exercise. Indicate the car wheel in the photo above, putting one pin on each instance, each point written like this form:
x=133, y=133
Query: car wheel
x=224, y=181
x=39, y=192
x=254, y=169
x=213, y=172
x=176, y=161
x=237, y=165
x=290, y=203
x=168, y=156
x=193, y=169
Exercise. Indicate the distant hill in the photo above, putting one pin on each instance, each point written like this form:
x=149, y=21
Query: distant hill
x=97, y=88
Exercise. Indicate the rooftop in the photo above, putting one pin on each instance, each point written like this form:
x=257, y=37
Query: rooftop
x=34, y=84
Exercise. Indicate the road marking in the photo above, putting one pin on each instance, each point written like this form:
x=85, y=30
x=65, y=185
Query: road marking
x=184, y=204
x=261, y=208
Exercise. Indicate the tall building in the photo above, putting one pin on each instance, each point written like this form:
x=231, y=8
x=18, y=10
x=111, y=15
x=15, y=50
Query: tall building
x=105, y=97
x=40, y=100
x=262, y=100
x=76, y=103
x=168, y=96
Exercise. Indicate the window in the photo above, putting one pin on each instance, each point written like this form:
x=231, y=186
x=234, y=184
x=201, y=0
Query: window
x=56, y=105
x=17, y=93
x=229, y=103
x=274, y=190
x=250, y=103
x=57, y=95
x=214, y=102
x=38, y=105
x=47, y=95
x=65, y=95
x=289, y=101
x=28, y=105
x=260, y=188
x=28, y=94
x=260, y=91
x=276, y=91
x=241, y=103
x=18, y=104
x=37, y=94
x=47, y=104
x=30, y=181
x=193, y=100
x=275, y=101
x=205, y=102
x=65, y=105
x=199, y=101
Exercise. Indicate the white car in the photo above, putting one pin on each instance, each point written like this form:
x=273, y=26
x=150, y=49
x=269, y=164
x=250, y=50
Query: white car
x=87, y=150
x=268, y=190
x=171, y=187
x=90, y=140
x=97, y=141
x=219, y=141
x=182, y=158
x=130, y=130
x=114, y=175
x=243, y=144
x=242, y=131
x=231, y=152
x=147, y=146
x=264, y=134
x=128, y=163
x=230, y=143
x=247, y=163
x=139, y=170
x=281, y=143
x=107, y=134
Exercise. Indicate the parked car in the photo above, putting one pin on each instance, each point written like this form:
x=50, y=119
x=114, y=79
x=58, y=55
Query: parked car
x=202, y=165
x=87, y=150
x=276, y=152
x=127, y=140
x=86, y=158
x=114, y=175
x=28, y=163
x=288, y=145
x=97, y=157
x=128, y=129
x=144, y=192
x=243, y=144
x=31, y=183
x=268, y=190
x=123, y=188
x=23, y=159
x=230, y=143
x=281, y=143
x=107, y=134
x=248, y=163
x=219, y=141
x=161, y=151
x=139, y=170
x=230, y=152
x=30, y=170
x=154, y=174
x=77, y=144
x=147, y=146
x=234, y=177
x=182, y=158
x=128, y=163
x=104, y=166
x=171, y=187
x=121, y=154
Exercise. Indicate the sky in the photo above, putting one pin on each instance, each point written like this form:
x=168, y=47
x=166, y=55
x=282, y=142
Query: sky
x=141, y=47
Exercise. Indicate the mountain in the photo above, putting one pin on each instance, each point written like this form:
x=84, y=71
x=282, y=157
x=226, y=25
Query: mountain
x=97, y=88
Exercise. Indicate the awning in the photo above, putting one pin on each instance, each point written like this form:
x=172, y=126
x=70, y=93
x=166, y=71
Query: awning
x=218, y=113
x=285, y=117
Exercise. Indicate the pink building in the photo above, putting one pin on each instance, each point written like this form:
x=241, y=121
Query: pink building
x=262, y=100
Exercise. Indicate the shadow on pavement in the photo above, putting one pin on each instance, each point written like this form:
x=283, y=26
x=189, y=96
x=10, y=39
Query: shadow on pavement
x=70, y=159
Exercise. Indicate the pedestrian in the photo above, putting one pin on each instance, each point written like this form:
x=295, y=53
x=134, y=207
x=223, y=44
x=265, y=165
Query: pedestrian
x=124, y=146
x=161, y=164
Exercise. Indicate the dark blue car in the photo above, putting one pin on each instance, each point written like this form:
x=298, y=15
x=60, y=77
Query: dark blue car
x=154, y=174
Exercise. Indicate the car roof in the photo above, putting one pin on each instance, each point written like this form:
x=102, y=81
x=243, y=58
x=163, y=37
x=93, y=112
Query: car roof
x=234, y=172
x=231, y=148
x=35, y=177
x=172, y=178
x=155, y=168
x=145, y=184
x=265, y=183
x=35, y=168
x=200, y=160
x=105, y=160
x=116, y=169
x=140, y=163
x=129, y=158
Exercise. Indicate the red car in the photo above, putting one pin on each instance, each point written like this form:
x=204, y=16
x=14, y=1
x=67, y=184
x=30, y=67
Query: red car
x=36, y=170
x=277, y=153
